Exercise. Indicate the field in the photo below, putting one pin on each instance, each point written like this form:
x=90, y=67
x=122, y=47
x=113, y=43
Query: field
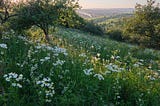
x=95, y=13
x=111, y=21
x=76, y=68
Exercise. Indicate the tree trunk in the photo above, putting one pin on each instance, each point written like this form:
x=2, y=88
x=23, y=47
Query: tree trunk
x=46, y=35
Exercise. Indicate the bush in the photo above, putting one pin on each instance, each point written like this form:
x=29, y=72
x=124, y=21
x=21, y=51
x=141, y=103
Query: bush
x=4, y=28
x=116, y=35
x=92, y=28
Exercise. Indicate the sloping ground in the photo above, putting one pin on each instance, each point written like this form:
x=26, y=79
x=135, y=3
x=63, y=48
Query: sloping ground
x=105, y=46
x=78, y=69
x=93, y=13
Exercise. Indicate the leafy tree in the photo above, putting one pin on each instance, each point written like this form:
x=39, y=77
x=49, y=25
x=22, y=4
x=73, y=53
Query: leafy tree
x=144, y=26
x=40, y=13
x=6, y=10
x=67, y=15
x=69, y=18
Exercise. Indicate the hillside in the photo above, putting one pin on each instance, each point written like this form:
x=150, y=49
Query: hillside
x=77, y=68
x=52, y=56
x=93, y=13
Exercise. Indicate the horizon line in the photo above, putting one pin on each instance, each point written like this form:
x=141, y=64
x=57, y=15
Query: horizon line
x=111, y=8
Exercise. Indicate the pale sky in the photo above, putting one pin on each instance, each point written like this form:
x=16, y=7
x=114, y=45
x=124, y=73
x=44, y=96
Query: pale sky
x=111, y=3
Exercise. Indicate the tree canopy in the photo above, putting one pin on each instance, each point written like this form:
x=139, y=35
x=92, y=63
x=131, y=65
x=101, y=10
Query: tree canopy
x=40, y=13
x=6, y=10
x=144, y=27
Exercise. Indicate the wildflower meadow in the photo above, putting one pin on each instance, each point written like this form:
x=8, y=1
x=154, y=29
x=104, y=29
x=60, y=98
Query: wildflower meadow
x=76, y=69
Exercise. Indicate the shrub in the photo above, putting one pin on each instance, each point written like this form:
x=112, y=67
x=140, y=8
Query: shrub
x=116, y=35
x=92, y=28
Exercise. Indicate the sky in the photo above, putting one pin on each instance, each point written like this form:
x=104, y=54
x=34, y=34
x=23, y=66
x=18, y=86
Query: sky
x=111, y=3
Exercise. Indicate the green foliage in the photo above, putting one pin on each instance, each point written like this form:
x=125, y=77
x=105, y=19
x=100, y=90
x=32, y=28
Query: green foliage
x=143, y=28
x=45, y=13
x=93, y=28
x=69, y=18
x=6, y=10
x=38, y=13
x=5, y=28
x=113, y=25
x=6, y=13
x=115, y=34
x=78, y=69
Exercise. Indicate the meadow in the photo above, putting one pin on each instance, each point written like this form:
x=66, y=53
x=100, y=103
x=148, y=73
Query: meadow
x=76, y=68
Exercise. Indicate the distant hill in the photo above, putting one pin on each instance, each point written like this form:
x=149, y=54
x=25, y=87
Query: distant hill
x=93, y=13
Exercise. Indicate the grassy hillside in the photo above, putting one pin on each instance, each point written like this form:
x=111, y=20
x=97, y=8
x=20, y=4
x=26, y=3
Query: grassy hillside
x=112, y=22
x=94, y=13
x=76, y=69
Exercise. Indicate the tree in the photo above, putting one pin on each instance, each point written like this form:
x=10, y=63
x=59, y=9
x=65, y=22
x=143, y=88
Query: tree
x=67, y=15
x=144, y=26
x=40, y=13
x=6, y=10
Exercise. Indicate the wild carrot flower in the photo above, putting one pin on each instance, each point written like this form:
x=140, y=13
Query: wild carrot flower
x=3, y=46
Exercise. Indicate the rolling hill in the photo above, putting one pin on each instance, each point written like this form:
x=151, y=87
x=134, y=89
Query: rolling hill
x=76, y=68
x=92, y=13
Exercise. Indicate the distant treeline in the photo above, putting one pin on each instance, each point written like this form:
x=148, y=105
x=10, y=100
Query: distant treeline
x=142, y=28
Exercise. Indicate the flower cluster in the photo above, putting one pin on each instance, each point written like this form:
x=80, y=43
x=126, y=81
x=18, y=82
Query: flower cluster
x=88, y=71
x=56, y=50
x=99, y=76
x=33, y=68
x=60, y=50
x=117, y=88
x=30, y=52
x=137, y=64
x=14, y=79
x=45, y=59
x=59, y=62
x=22, y=38
x=115, y=57
x=4, y=46
x=48, y=88
x=114, y=68
x=82, y=55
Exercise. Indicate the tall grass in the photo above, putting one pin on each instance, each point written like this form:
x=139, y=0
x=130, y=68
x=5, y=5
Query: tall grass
x=78, y=69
